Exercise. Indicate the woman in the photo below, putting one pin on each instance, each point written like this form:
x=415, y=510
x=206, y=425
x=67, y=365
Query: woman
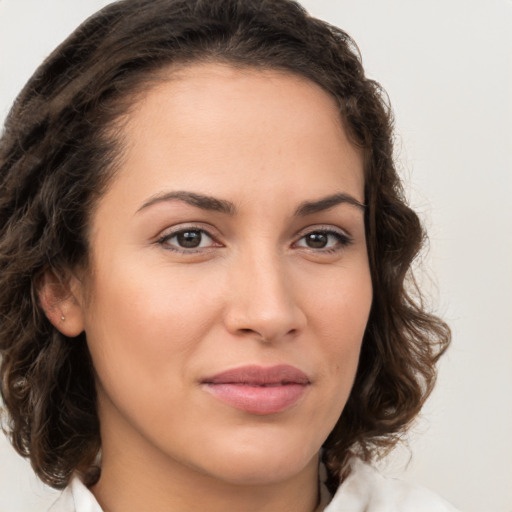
x=205, y=253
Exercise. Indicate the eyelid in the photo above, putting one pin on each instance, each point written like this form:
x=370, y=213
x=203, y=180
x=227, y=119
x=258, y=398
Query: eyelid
x=173, y=231
x=324, y=228
x=344, y=237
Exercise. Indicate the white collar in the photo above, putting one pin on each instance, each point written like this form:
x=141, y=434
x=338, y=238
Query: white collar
x=364, y=490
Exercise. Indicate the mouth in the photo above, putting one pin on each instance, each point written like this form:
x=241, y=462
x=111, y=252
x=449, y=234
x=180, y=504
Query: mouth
x=259, y=390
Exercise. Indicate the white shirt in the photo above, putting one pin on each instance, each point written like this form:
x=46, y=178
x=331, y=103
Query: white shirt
x=365, y=490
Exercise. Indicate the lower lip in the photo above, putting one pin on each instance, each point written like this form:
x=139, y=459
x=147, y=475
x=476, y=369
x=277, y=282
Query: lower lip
x=258, y=399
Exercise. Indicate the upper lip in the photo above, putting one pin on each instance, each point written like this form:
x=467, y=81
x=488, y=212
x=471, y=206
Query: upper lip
x=254, y=375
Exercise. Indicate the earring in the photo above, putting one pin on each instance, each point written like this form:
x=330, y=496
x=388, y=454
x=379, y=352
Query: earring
x=63, y=318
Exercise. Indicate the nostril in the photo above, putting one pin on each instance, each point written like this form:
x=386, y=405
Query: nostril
x=263, y=338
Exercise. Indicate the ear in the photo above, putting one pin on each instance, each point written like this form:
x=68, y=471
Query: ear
x=59, y=299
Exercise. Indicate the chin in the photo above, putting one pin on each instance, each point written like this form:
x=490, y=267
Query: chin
x=255, y=466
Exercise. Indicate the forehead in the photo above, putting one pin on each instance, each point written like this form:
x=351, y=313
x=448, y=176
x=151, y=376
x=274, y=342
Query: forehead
x=220, y=127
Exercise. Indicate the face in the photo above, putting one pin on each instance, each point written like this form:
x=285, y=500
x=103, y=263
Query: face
x=230, y=285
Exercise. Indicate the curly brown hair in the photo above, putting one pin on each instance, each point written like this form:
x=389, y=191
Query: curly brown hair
x=59, y=150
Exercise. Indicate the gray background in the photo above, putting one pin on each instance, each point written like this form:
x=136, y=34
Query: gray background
x=447, y=66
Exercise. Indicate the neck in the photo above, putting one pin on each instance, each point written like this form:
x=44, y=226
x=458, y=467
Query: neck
x=132, y=486
x=145, y=477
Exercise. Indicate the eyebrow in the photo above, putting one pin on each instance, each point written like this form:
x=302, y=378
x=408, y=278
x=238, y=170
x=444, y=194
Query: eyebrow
x=227, y=207
x=310, y=207
x=199, y=200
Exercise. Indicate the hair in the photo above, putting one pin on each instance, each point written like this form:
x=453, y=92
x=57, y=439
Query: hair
x=58, y=153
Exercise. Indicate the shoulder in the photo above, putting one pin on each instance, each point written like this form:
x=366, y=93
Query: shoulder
x=76, y=498
x=366, y=490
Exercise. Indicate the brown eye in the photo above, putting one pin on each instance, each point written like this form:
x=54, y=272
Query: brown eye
x=324, y=240
x=316, y=240
x=189, y=239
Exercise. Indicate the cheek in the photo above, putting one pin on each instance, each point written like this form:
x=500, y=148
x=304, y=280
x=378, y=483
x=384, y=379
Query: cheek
x=342, y=309
x=339, y=315
x=142, y=322
x=339, y=309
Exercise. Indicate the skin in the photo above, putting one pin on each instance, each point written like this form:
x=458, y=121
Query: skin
x=160, y=318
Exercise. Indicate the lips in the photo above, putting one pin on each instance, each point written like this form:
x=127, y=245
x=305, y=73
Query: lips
x=259, y=390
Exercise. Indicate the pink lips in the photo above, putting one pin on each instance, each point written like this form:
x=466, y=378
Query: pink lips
x=257, y=389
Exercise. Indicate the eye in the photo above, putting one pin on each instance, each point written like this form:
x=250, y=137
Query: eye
x=326, y=240
x=187, y=239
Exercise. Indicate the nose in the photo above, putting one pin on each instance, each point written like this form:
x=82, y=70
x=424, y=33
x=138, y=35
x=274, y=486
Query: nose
x=262, y=301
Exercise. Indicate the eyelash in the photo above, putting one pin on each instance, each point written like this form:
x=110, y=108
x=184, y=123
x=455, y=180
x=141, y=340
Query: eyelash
x=342, y=240
x=164, y=240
